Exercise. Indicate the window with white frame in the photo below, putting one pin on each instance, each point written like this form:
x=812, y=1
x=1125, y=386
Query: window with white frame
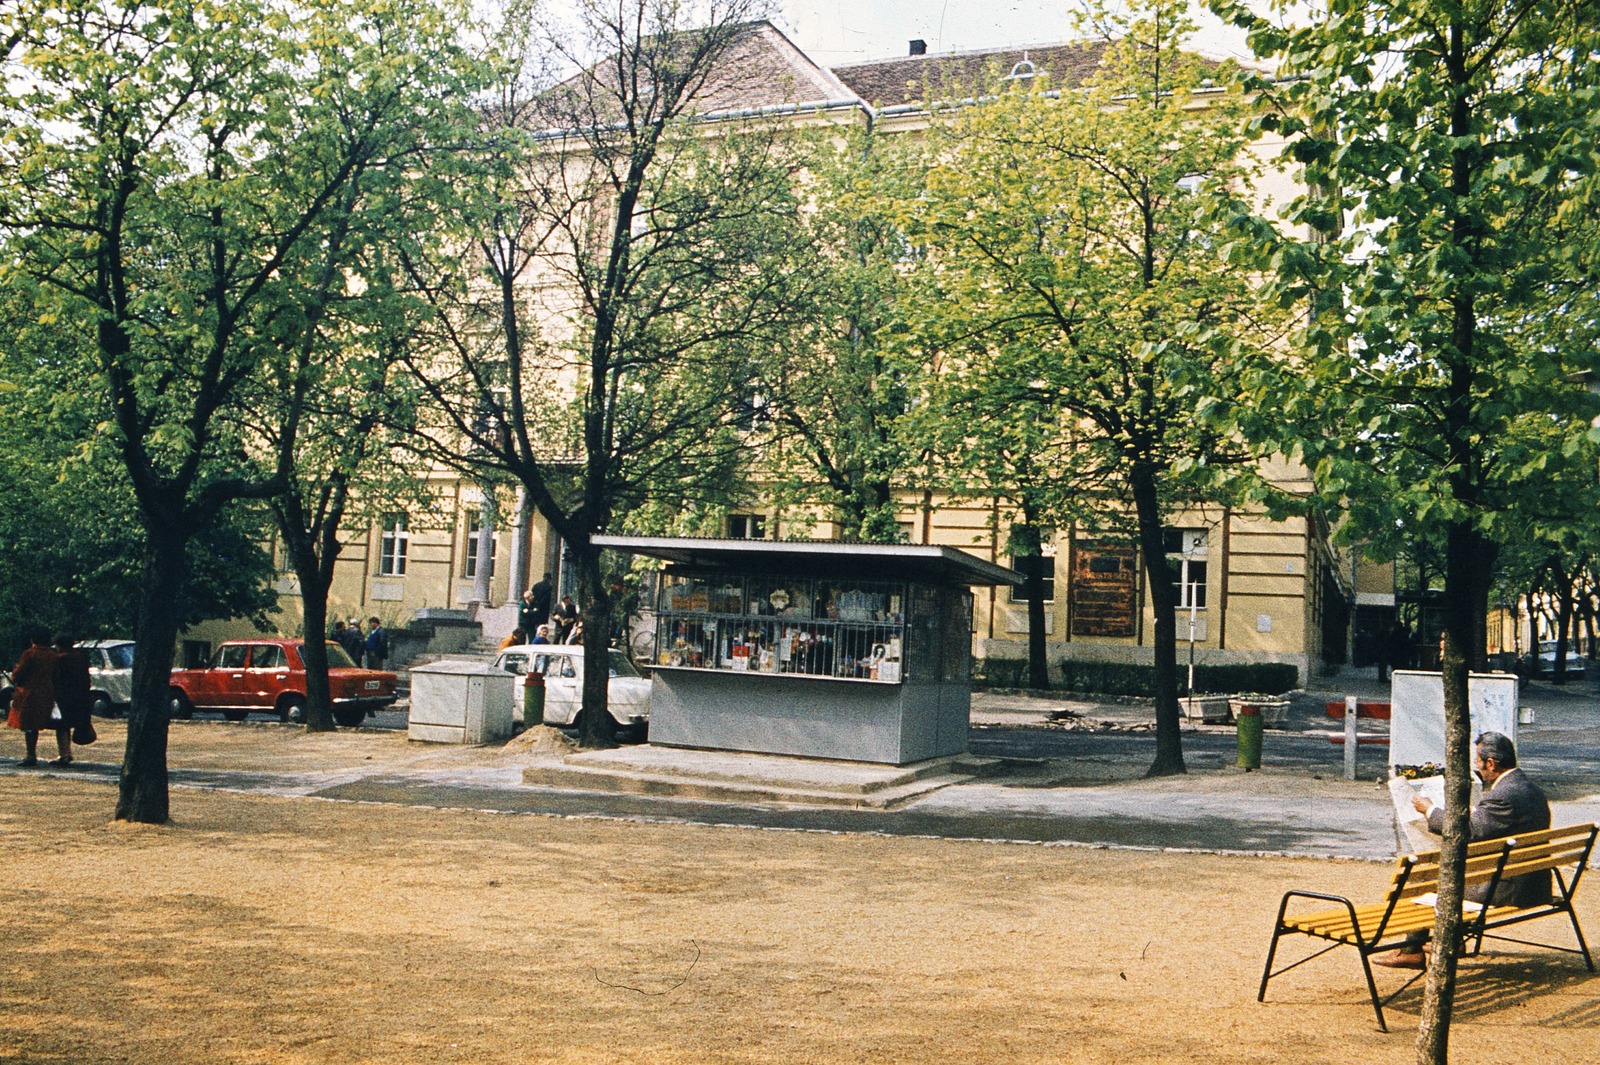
x=474, y=526
x=392, y=547
x=1186, y=551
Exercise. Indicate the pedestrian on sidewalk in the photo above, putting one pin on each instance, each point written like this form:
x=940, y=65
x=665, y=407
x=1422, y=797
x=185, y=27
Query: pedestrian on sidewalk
x=33, y=693
x=377, y=645
x=73, y=700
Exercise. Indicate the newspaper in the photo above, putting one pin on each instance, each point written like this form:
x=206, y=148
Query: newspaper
x=1414, y=826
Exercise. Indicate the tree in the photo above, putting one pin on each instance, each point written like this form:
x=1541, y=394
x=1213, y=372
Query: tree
x=626, y=267
x=1079, y=240
x=833, y=404
x=1446, y=153
x=332, y=408
x=167, y=166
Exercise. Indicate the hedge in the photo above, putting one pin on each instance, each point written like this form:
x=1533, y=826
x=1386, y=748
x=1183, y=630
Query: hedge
x=1120, y=678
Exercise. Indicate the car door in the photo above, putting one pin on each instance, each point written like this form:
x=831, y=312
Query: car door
x=220, y=684
x=267, y=676
x=563, y=685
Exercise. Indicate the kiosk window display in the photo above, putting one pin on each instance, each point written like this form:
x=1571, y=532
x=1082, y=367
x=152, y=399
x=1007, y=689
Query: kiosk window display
x=853, y=630
x=815, y=648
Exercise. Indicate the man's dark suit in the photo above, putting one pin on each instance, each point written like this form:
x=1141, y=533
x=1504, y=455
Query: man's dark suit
x=1515, y=804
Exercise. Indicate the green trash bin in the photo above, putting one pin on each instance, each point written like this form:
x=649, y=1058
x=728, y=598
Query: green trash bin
x=533, y=700
x=1249, y=721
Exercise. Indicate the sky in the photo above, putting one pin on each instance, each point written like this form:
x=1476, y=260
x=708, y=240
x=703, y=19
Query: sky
x=835, y=32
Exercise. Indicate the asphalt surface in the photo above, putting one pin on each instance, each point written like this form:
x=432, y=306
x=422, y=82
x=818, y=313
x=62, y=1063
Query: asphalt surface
x=1069, y=772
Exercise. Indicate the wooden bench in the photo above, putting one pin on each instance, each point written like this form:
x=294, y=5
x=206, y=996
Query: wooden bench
x=1407, y=907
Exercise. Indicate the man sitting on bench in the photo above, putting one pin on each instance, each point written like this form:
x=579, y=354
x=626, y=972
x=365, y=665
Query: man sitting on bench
x=1511, y=804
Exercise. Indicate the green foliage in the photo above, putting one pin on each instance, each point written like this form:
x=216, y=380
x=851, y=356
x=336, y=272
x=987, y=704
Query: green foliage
x=1437, y=390
x=837, y=392
x=71, y=547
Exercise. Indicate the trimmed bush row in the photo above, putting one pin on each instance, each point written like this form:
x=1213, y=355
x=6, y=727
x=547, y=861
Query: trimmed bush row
x=1119, y=678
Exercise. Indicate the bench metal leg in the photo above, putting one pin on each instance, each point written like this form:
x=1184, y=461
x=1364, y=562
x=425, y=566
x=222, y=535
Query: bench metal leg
x=1266, y=970
x=1372, y=989
x=1582, y=946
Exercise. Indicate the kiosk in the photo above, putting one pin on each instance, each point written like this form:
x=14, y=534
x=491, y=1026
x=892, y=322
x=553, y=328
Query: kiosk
x=823, y=649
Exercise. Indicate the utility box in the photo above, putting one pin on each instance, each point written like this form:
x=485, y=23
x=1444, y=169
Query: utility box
x=461, y=702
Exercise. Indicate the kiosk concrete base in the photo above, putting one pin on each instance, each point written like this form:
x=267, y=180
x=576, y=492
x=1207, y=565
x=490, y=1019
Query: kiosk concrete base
x=735, y=776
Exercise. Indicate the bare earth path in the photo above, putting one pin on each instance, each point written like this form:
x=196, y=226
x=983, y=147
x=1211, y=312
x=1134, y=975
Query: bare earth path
x=287, y=930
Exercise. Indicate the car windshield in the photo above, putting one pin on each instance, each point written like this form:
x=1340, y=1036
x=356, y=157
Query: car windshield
x=621, y=666
x=337, y=658
x=121, y=655
x=562, y=664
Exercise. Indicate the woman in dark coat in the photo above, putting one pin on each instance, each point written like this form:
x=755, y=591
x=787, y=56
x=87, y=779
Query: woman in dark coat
x=72, y=694
x=34, y=692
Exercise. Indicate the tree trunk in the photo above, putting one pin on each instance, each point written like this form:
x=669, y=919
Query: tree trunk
x=314, y=604
x=1469, y=558
x=596, y=730
x=1027, y=550
x=142, y=788
x=1164, y=601
x=1564, y=585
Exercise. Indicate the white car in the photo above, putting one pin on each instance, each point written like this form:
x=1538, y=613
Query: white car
x=627, y=693
x=110, y=675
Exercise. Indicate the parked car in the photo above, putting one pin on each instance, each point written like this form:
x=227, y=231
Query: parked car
x=627, y=693
x=5, y=691
x=268, y=676
x=1547, y=659
x=110, y=675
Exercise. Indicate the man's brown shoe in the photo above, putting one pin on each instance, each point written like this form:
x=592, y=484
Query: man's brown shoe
x=1402, y=959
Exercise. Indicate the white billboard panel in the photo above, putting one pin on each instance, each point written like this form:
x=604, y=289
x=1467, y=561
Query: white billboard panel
x=1416, y=728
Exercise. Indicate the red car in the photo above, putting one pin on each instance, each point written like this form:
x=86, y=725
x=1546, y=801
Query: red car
x=267, y=676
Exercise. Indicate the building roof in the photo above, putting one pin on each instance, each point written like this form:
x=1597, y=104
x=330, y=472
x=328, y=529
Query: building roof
x=953, y=75
x=763, y=68
x=819, y=558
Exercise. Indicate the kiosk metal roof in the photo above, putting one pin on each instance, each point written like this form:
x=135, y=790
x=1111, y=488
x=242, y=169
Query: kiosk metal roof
x=821, y=558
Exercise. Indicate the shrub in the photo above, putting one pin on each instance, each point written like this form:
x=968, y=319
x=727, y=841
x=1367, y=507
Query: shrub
x=1122, y=678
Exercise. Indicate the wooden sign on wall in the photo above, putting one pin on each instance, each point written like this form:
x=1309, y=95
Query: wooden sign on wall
x=1105, y=589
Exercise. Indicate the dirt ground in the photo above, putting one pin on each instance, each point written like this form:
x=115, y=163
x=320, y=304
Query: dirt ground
x=282, y=930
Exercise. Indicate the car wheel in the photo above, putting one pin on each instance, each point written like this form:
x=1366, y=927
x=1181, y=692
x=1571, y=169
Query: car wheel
x=179, y=706
x=635, y=733
x=349, y=716
x=101, y=707
x=291, y=708
x=236, y=715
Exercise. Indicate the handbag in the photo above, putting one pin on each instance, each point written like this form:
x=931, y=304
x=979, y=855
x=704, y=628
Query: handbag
x=84, y=734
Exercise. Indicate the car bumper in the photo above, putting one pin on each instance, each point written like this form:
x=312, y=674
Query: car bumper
x=368, y=703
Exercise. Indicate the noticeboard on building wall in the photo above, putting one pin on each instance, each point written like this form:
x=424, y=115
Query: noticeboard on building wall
x=1105, y=589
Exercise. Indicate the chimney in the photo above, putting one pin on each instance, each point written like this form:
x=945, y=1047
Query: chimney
x=919, y=47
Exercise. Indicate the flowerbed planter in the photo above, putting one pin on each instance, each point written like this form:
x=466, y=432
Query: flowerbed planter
x=1205, y=709
x=1273, y=710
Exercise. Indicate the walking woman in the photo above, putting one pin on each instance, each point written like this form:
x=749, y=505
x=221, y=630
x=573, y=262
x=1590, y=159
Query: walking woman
x=72, y=697
x=34, y=691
